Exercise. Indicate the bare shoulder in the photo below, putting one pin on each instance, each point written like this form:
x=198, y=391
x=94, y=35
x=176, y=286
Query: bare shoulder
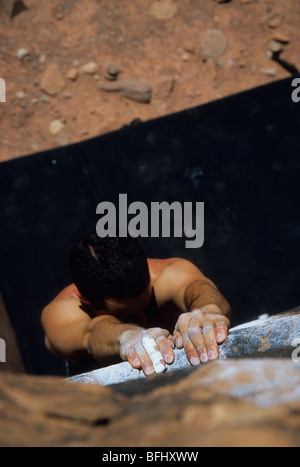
x=173, y=276
x=160, y=269
x=157, y=266
x=64, y=309
x=70, y=291
x=65, y=312
x=172, y=266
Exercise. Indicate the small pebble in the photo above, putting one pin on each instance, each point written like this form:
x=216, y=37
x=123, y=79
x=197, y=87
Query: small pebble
x=72, y=74
x=55, y=127
x=22, y=54
x=112, y=69
x=42, y=59
x=20, y=95
x=272, y=72
x=89, y=68
x=275, y=46
x=214, y=43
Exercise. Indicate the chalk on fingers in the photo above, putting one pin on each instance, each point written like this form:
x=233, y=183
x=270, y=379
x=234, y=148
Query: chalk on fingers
x=156, y=357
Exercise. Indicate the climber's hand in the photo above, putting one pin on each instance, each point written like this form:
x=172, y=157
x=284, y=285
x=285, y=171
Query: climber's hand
x=149, y=349
x=199, y=332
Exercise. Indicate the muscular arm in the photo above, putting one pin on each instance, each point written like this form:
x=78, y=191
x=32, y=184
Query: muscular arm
x=71, y=333
x=201, y=293
x=182, y=283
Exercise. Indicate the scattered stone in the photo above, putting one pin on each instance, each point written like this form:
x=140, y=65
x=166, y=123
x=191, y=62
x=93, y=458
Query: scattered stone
x=281, y=37
x=163, y=10
x=42, y=58
x=20, y=95
x=14, y=7
x=275, y=46
x=55, y=127
x=134, y=89
x=23, y=54
x=214, y=43
x=113, y=70
x=72, y=74
x=273, y=19
x=52, y=82
x=89, y=68
x=272, y=72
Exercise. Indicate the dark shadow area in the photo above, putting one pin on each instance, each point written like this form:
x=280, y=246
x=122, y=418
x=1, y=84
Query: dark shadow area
x=239, y=155
x=151, y=383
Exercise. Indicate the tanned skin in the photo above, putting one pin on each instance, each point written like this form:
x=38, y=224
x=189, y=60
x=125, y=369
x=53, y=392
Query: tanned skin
x=191, y=313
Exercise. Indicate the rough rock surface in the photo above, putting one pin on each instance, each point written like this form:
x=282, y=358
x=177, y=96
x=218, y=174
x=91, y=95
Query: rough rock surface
x=225, y=403
x=230, y=402
x=271, y=337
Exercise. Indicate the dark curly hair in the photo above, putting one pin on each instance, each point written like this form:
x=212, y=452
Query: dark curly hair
x=108, y=267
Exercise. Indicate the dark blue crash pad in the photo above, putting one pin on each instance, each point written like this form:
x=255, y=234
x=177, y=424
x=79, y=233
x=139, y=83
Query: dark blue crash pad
x=240, y=155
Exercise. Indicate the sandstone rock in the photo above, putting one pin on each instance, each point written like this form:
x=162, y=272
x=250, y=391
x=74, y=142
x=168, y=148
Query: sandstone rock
x=20, y=95
x=89, y=68
x=270, y=337
x=275, y=46
x=113, y=70
x=23, y=54
x=55, y=127
x=269, y=71
x=225, y=403
x=52, y=82
x=134, y=89
x=279, y=36
x=214, y=43
x=163, y=10
x=72, y=74
x=42, y=58
x=273, y=19
x=245, y=402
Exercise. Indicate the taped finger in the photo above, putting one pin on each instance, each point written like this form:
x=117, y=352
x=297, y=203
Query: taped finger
x=146, y=362
x=156, y=357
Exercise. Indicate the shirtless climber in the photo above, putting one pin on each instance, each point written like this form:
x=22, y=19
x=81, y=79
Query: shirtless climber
x=119, y=297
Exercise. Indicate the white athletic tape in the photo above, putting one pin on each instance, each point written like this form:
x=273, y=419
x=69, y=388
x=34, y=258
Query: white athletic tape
x=149, y=345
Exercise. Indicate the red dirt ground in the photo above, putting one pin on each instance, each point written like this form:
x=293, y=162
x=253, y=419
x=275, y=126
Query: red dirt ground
x=157, y=41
